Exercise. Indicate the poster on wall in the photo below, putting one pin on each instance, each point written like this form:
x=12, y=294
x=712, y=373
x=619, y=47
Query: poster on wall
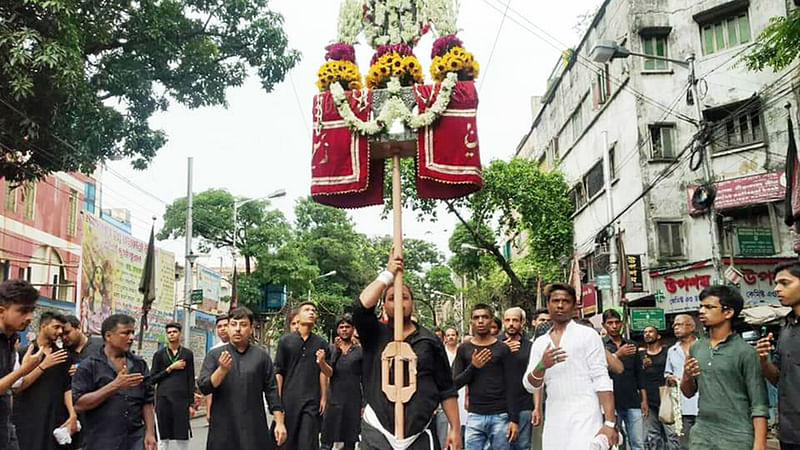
x=112, y=264
x=680, y=288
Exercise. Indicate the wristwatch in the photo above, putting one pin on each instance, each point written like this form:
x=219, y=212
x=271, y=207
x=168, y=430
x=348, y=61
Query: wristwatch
x=610, y=424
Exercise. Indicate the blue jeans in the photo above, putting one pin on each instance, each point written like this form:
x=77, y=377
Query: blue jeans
x=634, y=427
x=486, y=429
x=523, y=442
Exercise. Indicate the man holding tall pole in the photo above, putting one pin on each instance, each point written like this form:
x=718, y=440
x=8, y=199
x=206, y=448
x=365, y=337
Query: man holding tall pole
x=434, y=383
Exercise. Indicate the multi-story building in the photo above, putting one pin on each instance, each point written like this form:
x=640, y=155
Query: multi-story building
x=638, y=110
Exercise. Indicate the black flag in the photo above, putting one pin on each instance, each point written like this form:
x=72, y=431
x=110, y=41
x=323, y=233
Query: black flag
x=792, y=192
x=147, y=285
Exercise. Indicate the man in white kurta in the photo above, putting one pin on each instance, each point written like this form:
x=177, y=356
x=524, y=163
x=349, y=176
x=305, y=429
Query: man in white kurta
x=575, y=379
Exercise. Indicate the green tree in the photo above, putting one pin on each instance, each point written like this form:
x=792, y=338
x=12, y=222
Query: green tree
x=66, y=65
x=778, y=44
x=417, y=253
x=259, y=229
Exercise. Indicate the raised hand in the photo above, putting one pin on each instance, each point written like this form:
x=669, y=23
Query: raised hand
x=625, y=350
x=54, y=359
x=512, y=344
x=177, y=365
x=127, y=380
x=31, y=359
x=225, y=361
x=764, y=346
x=480, y=358
x=552, y=356
x=320, y=356
x=691, y=367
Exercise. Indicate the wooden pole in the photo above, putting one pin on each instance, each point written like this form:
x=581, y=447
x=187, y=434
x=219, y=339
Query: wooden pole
x=397, y=212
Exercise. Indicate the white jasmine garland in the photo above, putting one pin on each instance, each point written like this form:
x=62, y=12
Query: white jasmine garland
x=394, y=108
x=350, y=21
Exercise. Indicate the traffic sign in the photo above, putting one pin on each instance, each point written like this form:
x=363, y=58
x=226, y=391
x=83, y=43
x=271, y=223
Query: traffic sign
x=197, y=297
x=603, y=282
x=642, y=318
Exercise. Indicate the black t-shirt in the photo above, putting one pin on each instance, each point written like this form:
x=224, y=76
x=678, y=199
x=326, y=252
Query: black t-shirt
x=628, y=383
x=492, y=388
x=654, y=377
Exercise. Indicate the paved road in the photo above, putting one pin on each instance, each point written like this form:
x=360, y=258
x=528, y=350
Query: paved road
x=199, y=432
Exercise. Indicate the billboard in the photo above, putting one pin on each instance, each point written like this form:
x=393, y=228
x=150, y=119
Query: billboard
x=112, y=264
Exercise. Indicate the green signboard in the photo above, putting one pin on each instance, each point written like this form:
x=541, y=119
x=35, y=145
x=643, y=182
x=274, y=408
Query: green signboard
x=755, y=241
x=603, y=282
x=197, y=297
x=642, y=318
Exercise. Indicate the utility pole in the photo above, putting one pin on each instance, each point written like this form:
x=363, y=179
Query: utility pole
x=613, y=262
x=187, y=278
x=708, y=173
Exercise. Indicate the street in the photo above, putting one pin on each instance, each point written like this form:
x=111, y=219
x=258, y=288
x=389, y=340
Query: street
x=199, y=434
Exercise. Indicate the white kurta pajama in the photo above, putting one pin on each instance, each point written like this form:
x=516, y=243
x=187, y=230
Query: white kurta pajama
x=573, y=413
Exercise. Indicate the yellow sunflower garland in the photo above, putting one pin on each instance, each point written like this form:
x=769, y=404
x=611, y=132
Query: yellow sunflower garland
x=455, y=60
x=343, y=72
x=393, y=64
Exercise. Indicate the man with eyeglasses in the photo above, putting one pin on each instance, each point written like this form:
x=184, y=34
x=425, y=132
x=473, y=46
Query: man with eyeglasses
x=683, y=327
x=726, y=372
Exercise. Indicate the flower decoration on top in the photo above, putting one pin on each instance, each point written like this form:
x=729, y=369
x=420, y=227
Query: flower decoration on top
x=448, y=55
x=339, y=68
x=394, y=61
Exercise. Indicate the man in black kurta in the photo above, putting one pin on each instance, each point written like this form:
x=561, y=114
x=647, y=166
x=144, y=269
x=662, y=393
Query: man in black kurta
x=300, y=361
x=43, y=399
x=240, y=375
x=173, y=375
x=342, y=419
x=434, y=379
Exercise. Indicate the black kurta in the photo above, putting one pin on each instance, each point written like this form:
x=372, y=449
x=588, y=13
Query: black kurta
x=174, y=393
x=434, y=379
x=296, y=362
x=238, y=419
x=40, y=409
x=342, y=419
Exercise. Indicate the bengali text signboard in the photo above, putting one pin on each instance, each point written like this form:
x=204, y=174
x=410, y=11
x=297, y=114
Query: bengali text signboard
x=642, y=318
x=737, y=192
x=754, y=241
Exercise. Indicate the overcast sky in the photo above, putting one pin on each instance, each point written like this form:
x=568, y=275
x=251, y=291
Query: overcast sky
x=262, y=141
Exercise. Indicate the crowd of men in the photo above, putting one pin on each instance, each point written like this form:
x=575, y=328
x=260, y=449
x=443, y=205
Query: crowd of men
x=569, y=386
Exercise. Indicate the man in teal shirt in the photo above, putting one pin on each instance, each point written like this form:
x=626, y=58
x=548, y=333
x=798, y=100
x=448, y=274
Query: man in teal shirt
x=726, y=372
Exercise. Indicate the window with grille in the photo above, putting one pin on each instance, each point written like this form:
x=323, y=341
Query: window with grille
x=612, y=162
x=577, y=123
x=736, y=125
x=72, y=219
x=670, y=239
x=594, y=180
x=29, y=200
x=662, y=141
x=89, y=197
x=577, y=196
x=655, y=46
x=10, y=198
x=725, y=32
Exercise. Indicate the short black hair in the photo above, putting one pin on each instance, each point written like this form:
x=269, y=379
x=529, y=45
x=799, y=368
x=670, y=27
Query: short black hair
x=391, y=286
x=658, y=332
x=611, y=314
x=498, y=322
x=451, y=328
x=347, y=318
x=482, y=306
x=243, y=313
x=49, y=316
x=112, y=321
x=173, y=325
x=73, y=321
x=561, y=287
x=18, y=292
x=221, y=317
x=728, y=296
x=793, y=267
x=307, y=302
x=539, y=312
x=438, y=330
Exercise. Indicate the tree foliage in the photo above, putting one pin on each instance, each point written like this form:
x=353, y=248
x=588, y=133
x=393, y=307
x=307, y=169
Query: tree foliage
x=778, y=44
x=80, y=80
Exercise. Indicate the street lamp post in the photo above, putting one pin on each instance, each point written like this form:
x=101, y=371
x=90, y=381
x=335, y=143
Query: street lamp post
x=605, y=51
x=236, y=205
x=311, y=281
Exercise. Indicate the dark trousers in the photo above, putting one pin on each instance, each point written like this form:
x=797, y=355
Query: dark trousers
x=785, y=446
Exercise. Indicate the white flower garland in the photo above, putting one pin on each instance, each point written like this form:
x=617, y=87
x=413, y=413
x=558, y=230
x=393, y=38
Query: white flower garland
x=350, y=21
x=443, y=14
x=394, y=108
x=393, y=21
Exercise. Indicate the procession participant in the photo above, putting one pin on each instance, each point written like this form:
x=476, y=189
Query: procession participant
x=77, y=344
x=451, y=347
x=173, y=376
x=434, y=379
x=43, y=398
x=222, y=333
x=630, y=397
x=240, y=375
x=17, y=302
x=495, y=327
x=784, y=372
x=514, y=321
x=683, y=327
x=439, y=333
x=485, y=367
x=109, y=387
x=726, y=372
x=299, y=363
x=342, y=419
x=570, y=360
x=654, y=363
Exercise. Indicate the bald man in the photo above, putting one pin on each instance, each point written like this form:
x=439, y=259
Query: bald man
x=683, y=327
